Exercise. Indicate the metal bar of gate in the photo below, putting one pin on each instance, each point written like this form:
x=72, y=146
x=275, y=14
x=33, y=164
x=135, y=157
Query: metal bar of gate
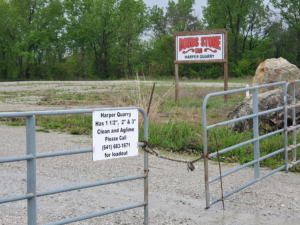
x=291, y=128
x=31, y=170
x=31, y=157
x=255, y=140
x=285, y=128
x=256, y=133
x=92, y=215
x=50, y=154
x=294, y=120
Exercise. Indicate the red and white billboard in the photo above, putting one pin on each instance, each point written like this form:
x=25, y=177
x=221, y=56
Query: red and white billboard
x=200, y=47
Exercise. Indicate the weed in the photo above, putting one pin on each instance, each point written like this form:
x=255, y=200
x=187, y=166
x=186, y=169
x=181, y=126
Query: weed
x=75, y=132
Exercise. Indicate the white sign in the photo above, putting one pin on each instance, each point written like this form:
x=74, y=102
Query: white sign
x=200, y=47
x=115, y=134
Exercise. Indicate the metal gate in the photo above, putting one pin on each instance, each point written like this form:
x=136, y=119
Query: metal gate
x=255, y=140
x=31, y=157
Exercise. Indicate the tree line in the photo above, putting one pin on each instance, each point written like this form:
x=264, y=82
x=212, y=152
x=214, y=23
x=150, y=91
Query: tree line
x=115, y=39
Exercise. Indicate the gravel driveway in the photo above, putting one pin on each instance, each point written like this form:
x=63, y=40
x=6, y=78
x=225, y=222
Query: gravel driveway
x=176, y=196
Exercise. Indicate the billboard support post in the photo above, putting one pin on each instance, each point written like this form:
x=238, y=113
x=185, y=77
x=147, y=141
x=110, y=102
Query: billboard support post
x=204, y=46
x=176, y=83
x=225, y=66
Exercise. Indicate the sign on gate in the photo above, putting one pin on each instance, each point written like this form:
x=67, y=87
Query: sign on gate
x=122, y=124
x=115, y=134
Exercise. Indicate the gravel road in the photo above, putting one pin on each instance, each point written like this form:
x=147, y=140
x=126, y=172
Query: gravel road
x=176, y=196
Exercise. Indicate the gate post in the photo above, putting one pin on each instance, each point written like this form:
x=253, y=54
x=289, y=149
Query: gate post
x=205, y=152
x=294, y=122
x=146, y=170
x=31, y=169
x=286, y=156
x=256, y=134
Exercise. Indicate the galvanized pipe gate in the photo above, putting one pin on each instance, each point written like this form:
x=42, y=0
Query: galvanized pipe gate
x=255, y=140
x=31, y=157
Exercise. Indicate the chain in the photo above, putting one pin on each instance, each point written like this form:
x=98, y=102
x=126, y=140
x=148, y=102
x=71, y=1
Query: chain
x=190, y=164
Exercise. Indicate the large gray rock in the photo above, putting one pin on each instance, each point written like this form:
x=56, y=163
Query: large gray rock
x=270, y=122
x=275, y=70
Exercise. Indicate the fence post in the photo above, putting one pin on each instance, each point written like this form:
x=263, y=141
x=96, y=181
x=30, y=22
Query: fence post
x=176, y=84
x=256, y=134
x=286, y=154
x=31, y=169
x=294, y=122
x=146, y=187
x=205, y=152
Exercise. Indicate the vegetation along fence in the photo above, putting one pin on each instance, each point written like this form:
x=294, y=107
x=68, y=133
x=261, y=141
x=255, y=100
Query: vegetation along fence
x=255, y=140
x=31, y=157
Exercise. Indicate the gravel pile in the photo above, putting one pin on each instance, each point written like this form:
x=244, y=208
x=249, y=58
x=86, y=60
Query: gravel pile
x=176, y=195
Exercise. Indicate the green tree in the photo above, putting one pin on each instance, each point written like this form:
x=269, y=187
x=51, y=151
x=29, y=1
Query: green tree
x=178, y=17
x=134, y=23
x=92, y=24
x=290, y=12
x=30, y=30
x=244, y=19
x=5, y=42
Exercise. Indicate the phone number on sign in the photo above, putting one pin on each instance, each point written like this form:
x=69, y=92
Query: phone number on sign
x=115, y=146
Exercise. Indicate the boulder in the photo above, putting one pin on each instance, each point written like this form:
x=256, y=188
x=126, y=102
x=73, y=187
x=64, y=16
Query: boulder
x=268, y=122
x=275, y=70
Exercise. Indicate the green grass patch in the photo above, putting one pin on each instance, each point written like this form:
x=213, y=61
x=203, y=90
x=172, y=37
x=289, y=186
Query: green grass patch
x=14, y=121
x=73, y=124
x=179, y=136
x=42, y=130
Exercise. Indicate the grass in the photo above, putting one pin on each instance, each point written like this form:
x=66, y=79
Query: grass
x=14, y=121
x=73, y=124
x=172, y=127
x=183, y=136
x=42, y=130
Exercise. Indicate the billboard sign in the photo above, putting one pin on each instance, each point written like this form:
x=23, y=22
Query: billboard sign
x=200, y=46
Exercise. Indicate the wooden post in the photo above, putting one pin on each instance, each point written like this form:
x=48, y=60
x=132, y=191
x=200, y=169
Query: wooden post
x=225, y=67
x=225, y=81
x=176, y=83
